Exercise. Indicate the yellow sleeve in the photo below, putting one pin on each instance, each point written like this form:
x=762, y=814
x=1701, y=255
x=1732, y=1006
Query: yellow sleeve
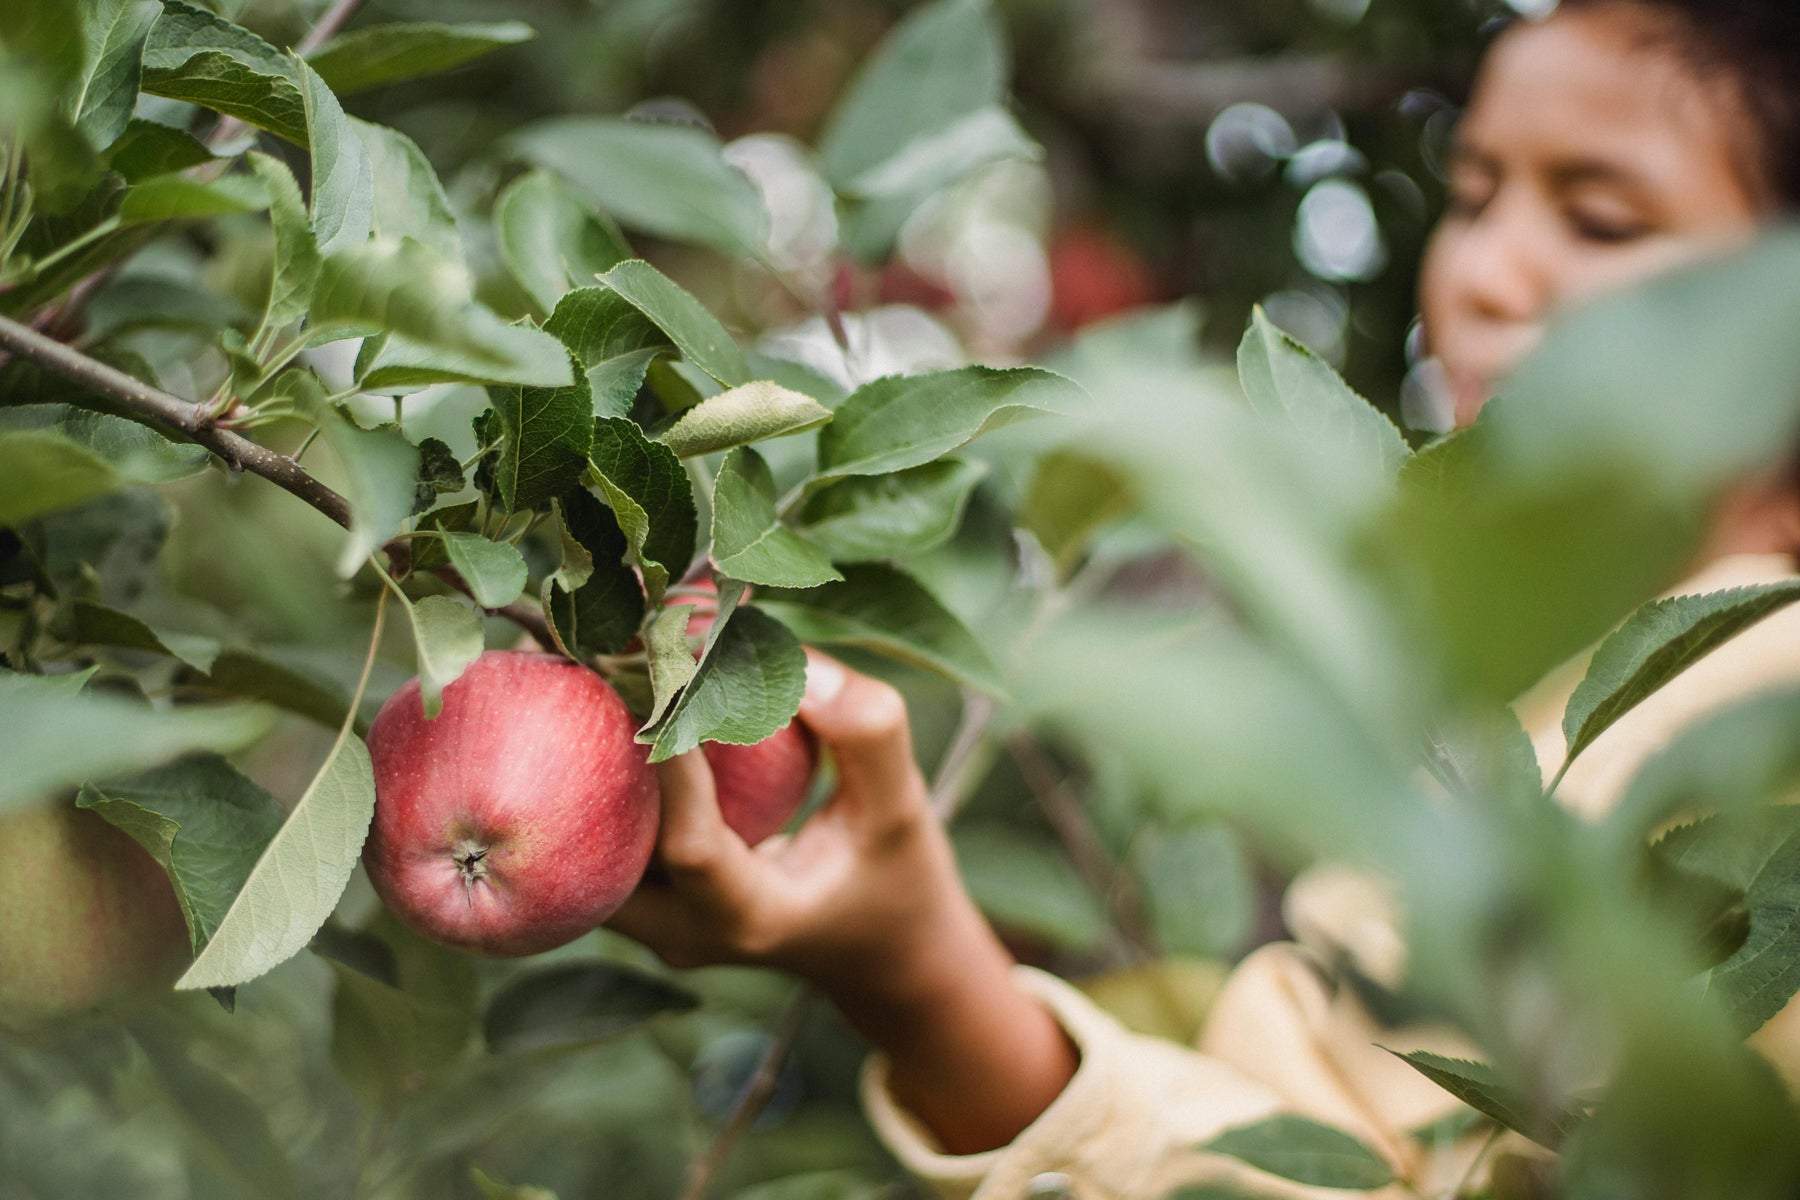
x=1129, y=1124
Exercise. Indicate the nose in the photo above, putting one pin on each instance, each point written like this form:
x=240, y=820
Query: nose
x=1499, y=266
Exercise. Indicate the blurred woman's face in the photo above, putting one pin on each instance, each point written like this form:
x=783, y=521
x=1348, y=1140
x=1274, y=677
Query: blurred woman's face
x=1590, y=156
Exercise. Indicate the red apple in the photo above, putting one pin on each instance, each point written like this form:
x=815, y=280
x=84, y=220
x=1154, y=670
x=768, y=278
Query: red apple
x=762, y=786
x=517, y=819
x=89, y=919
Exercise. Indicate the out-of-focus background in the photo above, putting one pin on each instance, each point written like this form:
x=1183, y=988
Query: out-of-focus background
x=1281, y=153
x=1198, y=157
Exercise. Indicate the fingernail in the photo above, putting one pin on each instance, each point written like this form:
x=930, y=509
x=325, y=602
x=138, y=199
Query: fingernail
x=825, y=678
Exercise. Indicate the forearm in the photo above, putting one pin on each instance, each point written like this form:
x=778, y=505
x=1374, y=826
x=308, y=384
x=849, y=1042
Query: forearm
x=972, y=1056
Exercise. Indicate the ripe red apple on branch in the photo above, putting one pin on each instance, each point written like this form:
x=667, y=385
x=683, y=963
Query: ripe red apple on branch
x=517, y=819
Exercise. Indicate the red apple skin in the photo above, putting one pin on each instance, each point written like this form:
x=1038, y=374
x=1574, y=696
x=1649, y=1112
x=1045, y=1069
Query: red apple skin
x=521, y=816
x=762, y=786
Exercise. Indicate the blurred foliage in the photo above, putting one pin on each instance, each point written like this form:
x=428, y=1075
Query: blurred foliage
x=1238, y=623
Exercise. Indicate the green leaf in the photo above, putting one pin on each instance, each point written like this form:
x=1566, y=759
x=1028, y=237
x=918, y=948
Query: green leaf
x=180, y=198
x=1592, y=482
x=53, y=737
x=652, y=497
x=1072, y=496
x=377, y=55
x=610, y=338
x=747, y=686
x=1199, y=887
x=343, y=181
x=547, y=435
x=551, y=240
x=295, y=271
x=1480, y=1087
x=749, y=542
x=194, y=56
x=203, y=821
x=224, y=1124
x=379, y=469
x=1025, y=883
x=299, y=877
x=41, y=472
x=942, y=63
x=749, y=413
x=601, y=615
x=909, y=420
x=1306, y=1152
x=576, y=1004
x=870, y=517
x=113, y=33
x=1658, y=642
x=494, y=571
x=577, y=565
x=428, y=553
x=671, y=660
x=695, y=332
x=447, y=637
x=1756, y=854
x=671, y=181
x=1286, y=382
x=405, y=288
x=409, y=200
x=253, y=676
x=883, y=610
x=1485, y=755
x=135, y=452
x=496, y=1189
x=84, y=622
x=936, y=161
x=147, y=149
x=528, y=360
x=403, y=1010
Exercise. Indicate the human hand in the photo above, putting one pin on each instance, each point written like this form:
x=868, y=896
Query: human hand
x=869, y=882
x=864, y=902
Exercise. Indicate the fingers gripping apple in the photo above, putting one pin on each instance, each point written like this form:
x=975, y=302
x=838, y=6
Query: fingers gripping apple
x=517, y=819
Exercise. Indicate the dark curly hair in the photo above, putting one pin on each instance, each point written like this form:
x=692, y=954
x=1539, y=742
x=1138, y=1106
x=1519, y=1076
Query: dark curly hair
x=1752, y=49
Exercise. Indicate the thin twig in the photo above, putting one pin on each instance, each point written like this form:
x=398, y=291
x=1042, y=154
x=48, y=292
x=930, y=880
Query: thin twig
x=948, y=792
x=1112, y=886
x=157, y=408
x=751, y=1101
x=326, y=27
x=138, y=401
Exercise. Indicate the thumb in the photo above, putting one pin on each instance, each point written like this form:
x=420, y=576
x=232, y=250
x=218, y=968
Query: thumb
x=863, y=722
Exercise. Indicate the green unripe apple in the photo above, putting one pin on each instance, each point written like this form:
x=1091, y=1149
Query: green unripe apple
x=88, y=920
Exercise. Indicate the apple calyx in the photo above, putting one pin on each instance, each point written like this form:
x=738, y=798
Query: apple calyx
x=470, y=858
